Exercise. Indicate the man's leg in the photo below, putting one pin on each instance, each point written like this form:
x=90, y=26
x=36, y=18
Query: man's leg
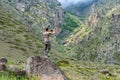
x=46, y=48
x=49, y=48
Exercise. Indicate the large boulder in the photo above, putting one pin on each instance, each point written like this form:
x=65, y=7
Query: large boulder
x=43, y=67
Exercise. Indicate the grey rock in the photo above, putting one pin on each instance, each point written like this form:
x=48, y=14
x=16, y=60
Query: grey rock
x=105, y=72
x=3, y=67
x=43, y=67
x=3, y=60
x=13, y=68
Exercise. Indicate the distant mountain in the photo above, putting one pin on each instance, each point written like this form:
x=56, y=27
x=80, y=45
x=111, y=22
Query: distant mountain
x=80, y=8
x=98, y=37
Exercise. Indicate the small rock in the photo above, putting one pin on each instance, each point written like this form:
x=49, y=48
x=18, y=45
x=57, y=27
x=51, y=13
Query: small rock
x=13, y=68
x=19, y=62
x=3, y=67
x=3, y=60
x=106, y=72
x=21, y=72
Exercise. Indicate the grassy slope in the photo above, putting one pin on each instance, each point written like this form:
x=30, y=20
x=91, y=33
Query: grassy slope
x=78, y=70
x=16, y=41
x=37, y=17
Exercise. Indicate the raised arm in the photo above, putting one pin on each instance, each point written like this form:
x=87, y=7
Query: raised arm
x=52, y=31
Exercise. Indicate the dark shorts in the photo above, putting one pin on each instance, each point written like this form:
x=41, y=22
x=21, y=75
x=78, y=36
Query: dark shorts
x=47, y=46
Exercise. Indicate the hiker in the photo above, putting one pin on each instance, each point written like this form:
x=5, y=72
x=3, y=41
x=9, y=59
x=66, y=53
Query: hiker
x=47, y=40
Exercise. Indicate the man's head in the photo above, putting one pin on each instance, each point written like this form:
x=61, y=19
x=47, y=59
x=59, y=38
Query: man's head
x=46, y=29
x=51, y=30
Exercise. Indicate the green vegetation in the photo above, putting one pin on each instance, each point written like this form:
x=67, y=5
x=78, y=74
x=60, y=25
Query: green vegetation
x=96, y=38
x=78, y=70
x=71, y=23
x=16, y=39
x=11, y=76
x=15, y=76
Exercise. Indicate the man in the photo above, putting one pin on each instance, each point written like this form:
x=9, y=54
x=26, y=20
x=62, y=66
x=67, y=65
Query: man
x=47, y=40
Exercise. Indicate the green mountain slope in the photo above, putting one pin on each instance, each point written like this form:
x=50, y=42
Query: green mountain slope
x=22, y=25
x=37, y=14
x=96, y=42
x=101, y=43
x=16, y=40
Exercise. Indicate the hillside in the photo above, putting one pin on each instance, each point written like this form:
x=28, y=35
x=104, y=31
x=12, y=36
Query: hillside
x=100, y=42
x=35, y=14
x=22, y=25
x=16, y=40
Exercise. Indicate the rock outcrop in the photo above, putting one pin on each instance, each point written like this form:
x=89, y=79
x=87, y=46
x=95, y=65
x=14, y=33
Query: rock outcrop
x=43, y=67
